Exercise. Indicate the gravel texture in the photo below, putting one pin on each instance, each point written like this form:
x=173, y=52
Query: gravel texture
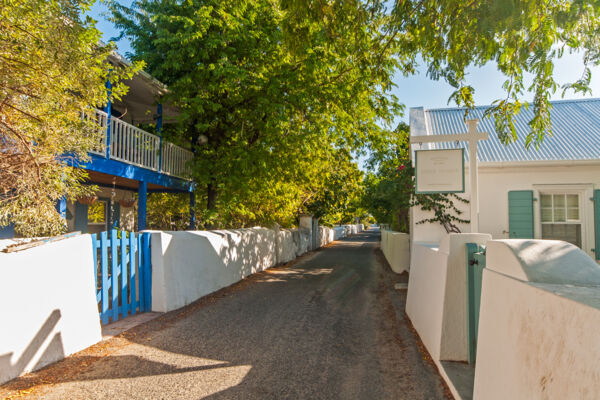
x=328, y=326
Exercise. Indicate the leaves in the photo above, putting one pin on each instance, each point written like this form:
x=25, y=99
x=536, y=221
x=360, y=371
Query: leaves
x=52, y=71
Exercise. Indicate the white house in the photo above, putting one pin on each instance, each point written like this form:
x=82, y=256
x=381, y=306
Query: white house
x=545, y=193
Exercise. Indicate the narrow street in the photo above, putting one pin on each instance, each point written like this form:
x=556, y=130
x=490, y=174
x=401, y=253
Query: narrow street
x=329, y=326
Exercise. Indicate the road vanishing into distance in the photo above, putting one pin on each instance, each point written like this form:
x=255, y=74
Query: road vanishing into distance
x=329, y=325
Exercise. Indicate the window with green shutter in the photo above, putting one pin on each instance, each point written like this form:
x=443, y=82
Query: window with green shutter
x=520, y=214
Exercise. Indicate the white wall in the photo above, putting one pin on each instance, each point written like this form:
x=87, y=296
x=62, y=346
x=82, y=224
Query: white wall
x=436, y=300
x=495, y=183
x=538, y=338
x=395, y=247
x=189, y=265
x=48, y=305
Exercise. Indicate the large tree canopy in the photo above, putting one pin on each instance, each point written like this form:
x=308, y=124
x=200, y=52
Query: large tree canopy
x=271, y=102
x=52, y=71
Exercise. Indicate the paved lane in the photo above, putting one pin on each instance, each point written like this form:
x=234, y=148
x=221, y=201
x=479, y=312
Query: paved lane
x=329, y=326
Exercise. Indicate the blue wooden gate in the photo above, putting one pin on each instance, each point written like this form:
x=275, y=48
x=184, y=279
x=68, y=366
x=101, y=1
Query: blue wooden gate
x=123, y=274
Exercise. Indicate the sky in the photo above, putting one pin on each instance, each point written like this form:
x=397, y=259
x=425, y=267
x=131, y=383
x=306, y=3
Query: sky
x=420, y=91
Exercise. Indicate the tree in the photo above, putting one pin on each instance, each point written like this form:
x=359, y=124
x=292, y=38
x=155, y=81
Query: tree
x=268, y=100
x=52, y=71
x=390, y=192
x=524, y=37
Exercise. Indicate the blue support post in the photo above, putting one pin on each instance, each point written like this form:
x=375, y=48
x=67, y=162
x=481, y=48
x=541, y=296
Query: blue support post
x=192, y=210
x=107, y=110
x=147, y=271
x=61, y=207
x=159, y=121
x=142, y=195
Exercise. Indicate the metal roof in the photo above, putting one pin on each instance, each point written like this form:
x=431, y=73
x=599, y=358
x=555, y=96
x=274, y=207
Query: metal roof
x=575, y=128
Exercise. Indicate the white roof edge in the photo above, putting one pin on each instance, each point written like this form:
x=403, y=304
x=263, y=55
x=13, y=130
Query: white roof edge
x=589, y=99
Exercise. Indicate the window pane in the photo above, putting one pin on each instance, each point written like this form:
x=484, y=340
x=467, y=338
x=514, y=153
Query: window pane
x=97, y=213
x=546, y=215
x=559, y=215
x=546, y=200
x=572, y=200
x=568, y=232
x=573, y=214
x=559, y=200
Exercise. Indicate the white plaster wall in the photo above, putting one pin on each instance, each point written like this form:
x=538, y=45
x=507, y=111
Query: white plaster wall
x=189, y=265
x=47, y=305
x=286, y=248
x=436, y=300
x=495, y=183
x=537, y=341
x=396, y=249
x=326, y=235
x=339, y=232
x=454, y=324
x=425, y=299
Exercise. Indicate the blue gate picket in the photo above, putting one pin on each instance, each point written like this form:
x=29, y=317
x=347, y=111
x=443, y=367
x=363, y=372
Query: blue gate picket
x=123, y=275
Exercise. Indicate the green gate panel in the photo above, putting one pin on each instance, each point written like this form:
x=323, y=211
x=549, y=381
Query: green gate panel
x=475, y=266
x=597, y=223
x=81, y=217
x=520, y=214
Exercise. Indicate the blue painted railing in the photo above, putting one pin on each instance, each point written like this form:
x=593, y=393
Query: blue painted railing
x=123, y=271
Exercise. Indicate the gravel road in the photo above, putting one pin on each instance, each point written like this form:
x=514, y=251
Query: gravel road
x=329, y=326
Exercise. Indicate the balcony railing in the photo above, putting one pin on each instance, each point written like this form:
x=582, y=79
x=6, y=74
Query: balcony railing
x=135, y=146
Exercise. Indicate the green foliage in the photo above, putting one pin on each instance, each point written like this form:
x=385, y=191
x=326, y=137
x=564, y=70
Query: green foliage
x=273, y=101
x=523, y=37
x=169, y=212
x=389, y=192
x=52, y=71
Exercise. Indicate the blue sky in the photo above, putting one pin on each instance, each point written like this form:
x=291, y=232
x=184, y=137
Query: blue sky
x=420, y=91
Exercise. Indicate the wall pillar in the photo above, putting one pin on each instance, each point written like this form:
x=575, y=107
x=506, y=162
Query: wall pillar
x=142, y=199
x=306, y=223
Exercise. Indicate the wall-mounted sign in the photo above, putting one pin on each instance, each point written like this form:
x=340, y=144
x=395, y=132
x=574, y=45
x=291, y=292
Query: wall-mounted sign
x=440, y=171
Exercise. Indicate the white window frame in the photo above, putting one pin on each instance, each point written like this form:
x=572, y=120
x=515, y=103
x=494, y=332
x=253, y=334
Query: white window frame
x=586, y=211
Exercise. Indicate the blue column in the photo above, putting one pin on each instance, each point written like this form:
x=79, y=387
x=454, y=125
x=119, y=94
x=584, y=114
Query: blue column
x=159, y=118
x=107, y=110
x=192, y=210
x=61, y=207
x=142, y=195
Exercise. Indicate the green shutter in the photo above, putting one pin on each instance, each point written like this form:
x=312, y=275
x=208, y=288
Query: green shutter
x=81, y=217
x=520, y=214
x=597, y=223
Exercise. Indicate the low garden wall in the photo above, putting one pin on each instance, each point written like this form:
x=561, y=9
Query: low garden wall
x=437, y=293
x=189, y=265
x=395, y=248
x=48, y=305
x=539, y=322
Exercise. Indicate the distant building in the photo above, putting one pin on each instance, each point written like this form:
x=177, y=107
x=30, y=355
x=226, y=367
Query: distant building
x=546, y=193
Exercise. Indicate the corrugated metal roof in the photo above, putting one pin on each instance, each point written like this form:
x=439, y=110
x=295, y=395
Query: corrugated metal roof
x=575, y=127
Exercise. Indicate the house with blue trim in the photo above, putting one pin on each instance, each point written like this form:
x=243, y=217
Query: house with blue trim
x=129, y=162
x=552, y=192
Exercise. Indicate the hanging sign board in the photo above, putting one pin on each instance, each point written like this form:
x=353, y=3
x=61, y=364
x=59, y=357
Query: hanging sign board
x=440, y=171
